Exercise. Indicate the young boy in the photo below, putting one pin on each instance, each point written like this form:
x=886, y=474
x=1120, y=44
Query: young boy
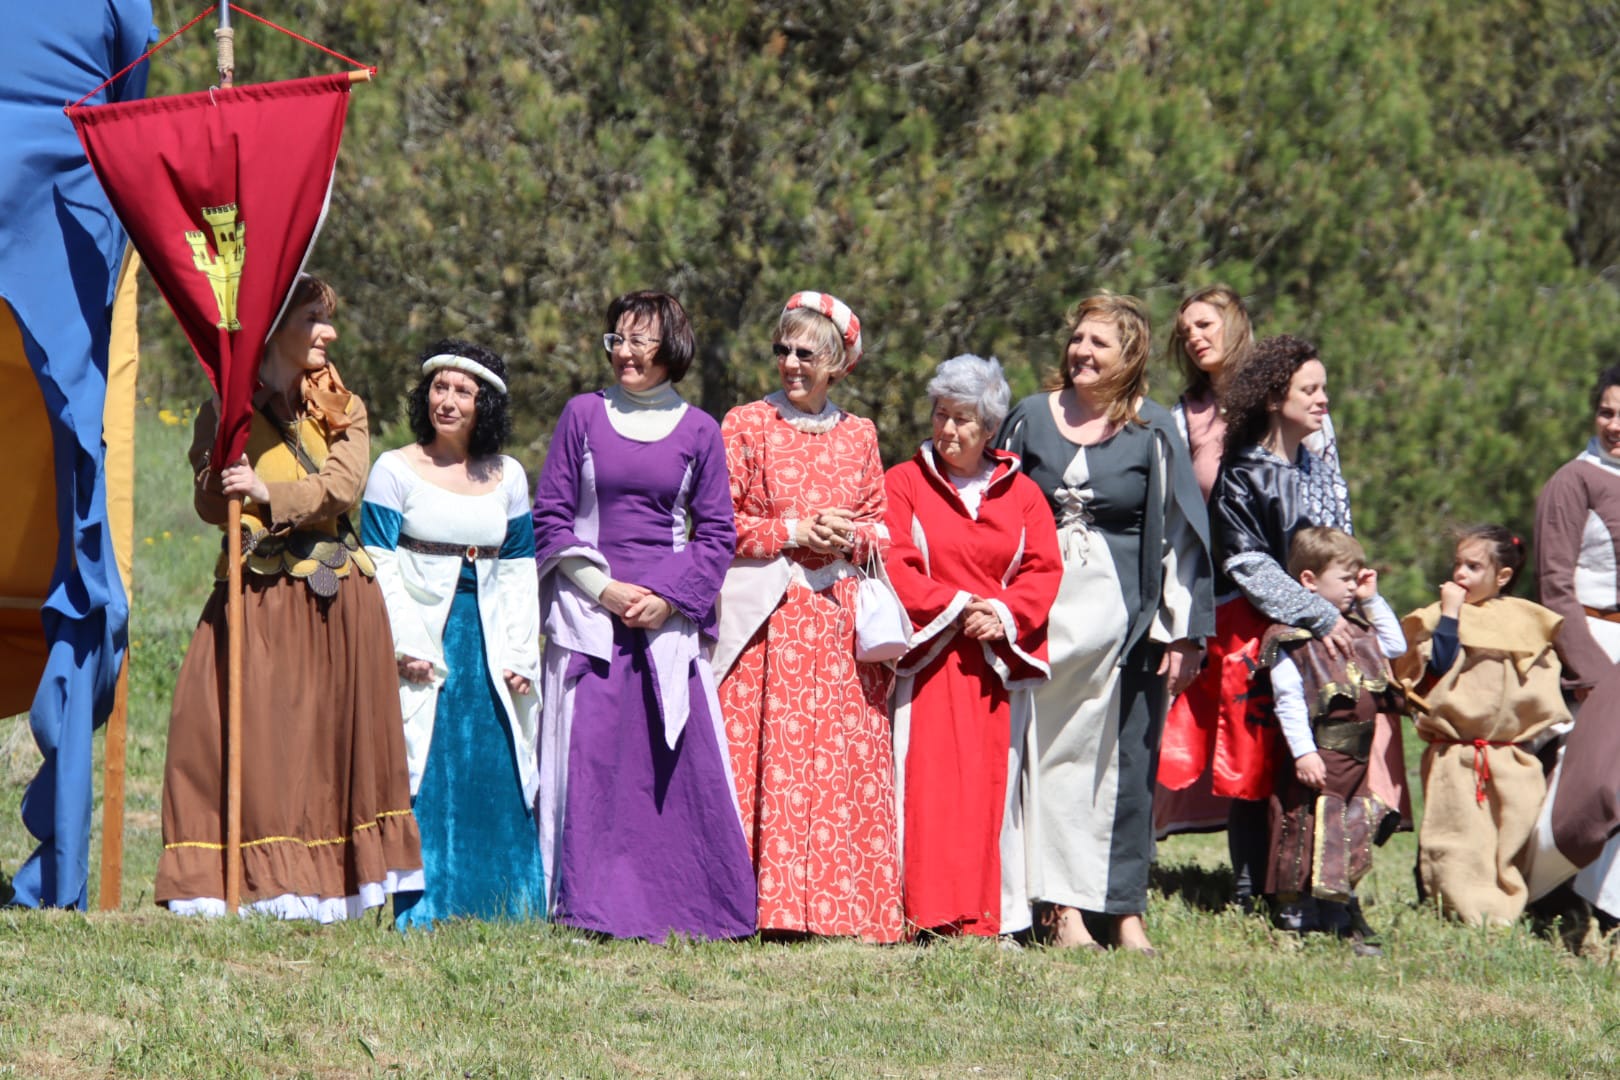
x=1332, y=696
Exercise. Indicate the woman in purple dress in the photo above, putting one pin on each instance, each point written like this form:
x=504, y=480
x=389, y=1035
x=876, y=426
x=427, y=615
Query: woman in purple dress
x=633, y=533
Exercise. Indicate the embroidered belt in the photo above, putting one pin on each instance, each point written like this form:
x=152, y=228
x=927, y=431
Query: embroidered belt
x=470, y=552
x=319, y=559
x=1353, y=738
x=1599, y=613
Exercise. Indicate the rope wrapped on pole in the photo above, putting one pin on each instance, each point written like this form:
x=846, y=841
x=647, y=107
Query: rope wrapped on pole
x=225, y=40
x=225, y=43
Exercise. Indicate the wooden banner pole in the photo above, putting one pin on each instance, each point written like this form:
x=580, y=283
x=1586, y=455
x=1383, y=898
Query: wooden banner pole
x=112, y=798
x=233, y=710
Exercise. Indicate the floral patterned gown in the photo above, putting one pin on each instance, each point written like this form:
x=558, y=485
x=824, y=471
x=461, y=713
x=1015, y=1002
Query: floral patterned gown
x=806, y=722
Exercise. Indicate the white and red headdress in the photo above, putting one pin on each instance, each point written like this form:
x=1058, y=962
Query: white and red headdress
x=849, y=327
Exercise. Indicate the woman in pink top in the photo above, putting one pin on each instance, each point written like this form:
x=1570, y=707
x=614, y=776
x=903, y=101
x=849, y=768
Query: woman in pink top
x=1210, y=341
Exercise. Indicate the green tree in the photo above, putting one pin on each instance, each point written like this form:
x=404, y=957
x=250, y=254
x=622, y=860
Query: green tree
x=1424, y=189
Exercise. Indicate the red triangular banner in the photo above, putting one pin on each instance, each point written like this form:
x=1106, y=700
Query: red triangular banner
x=223, y=193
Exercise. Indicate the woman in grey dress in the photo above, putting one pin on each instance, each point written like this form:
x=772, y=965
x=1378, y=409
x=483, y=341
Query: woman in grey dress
x=1128, y=626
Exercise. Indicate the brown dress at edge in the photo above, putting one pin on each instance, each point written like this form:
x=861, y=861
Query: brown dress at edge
x=327, y=830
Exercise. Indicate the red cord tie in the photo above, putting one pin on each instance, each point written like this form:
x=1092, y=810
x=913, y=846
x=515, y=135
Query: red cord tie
x=1482, y=764
x=1482, y=769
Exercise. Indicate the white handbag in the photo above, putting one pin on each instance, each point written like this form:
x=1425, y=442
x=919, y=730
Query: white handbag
x=882, y=627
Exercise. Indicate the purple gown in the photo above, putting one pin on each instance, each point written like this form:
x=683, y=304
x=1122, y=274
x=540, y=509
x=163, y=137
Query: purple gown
x=638, y=815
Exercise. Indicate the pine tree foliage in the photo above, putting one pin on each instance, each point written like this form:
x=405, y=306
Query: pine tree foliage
x=1427, y=190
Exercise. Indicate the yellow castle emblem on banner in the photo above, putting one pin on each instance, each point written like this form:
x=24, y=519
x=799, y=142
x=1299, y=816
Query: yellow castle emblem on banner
x=224, y=270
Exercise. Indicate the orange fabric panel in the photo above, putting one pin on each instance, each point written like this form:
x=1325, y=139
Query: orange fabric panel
x=118, y=420
x=27, y=527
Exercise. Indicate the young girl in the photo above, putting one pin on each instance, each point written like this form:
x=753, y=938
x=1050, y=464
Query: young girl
x=1482, y=679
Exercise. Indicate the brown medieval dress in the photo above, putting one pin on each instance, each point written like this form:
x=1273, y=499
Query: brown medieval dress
x=327, y=830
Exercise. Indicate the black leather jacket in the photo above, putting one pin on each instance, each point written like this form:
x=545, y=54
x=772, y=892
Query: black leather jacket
x=1260, y=501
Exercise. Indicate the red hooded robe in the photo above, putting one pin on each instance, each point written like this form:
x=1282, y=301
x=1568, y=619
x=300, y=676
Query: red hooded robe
x=955, y=746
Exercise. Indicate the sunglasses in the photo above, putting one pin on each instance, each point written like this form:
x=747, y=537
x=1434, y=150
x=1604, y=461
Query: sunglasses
x=805, y=355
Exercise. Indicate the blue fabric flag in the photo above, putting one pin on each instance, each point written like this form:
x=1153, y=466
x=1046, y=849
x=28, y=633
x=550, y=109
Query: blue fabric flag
x=60, y=249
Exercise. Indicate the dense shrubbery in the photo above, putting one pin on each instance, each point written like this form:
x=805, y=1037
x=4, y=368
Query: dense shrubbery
x=1426, y=189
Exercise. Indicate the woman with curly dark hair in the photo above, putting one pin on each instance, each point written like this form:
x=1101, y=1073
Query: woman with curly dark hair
x=1270, y=487
x=446, y=520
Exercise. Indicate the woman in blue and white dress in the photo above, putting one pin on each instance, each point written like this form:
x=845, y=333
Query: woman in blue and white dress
x=446, y=520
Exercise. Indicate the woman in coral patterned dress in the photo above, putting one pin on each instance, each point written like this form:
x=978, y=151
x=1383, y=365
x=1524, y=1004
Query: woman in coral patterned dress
x=806, y=721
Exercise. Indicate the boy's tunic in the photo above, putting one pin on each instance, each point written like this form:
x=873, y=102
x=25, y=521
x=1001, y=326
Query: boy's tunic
x=1321, y=842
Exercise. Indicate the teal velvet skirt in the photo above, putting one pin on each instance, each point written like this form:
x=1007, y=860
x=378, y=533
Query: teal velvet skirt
x=480, y=851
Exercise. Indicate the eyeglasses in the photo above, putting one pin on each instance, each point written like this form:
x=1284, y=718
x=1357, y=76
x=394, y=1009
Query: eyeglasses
x=638, y=343
x=784, y=351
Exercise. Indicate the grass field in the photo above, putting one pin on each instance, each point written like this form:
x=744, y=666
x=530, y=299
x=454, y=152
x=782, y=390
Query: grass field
x=140, y=993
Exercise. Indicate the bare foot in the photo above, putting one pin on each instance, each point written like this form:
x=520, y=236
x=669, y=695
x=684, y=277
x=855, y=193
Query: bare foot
x=1069, y=929
x=1129, y=933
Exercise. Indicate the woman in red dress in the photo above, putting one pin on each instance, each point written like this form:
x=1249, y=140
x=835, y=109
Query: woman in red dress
x=806, y=721
x=974, y=558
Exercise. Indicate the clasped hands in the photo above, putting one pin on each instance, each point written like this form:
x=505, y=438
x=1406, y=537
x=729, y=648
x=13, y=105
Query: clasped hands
x=635, y=605
x=981, y=622
x=827, y=532
x=417, y=671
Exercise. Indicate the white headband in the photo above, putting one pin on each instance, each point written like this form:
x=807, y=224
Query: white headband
x=462, y=363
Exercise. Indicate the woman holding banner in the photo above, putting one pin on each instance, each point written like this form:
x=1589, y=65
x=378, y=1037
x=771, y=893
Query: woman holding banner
x=327, y=830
